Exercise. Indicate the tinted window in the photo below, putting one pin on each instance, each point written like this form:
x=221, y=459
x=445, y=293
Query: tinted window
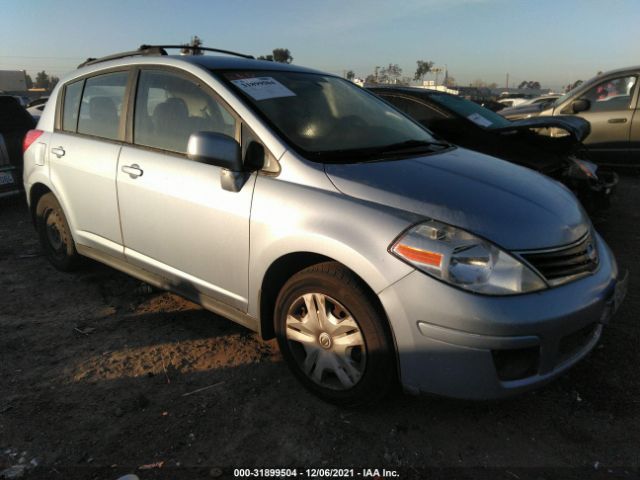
x=169, y=108
x=72, y=94
x=473, y=112
x=610, y=95
x=416, y=110
x=102, y=105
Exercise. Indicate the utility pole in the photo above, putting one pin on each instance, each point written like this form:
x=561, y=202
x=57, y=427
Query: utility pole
x=507, y=86
x=437, y=71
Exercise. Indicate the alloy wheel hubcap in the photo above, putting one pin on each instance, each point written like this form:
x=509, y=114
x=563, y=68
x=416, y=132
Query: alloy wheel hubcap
x=326, y=341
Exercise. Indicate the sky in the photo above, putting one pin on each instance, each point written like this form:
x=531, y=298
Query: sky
x=554, y=42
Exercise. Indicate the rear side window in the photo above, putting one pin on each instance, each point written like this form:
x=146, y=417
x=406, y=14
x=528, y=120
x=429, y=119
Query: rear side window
x=169, y=108
x=101, y=105
x=72, y=95
x=418, y=111
x=483, y=117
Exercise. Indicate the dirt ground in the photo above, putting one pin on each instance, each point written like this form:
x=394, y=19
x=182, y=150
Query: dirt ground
x=99, y=378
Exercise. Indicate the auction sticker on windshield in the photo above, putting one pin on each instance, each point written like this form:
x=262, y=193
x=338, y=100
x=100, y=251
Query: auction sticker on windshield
x=263, y=88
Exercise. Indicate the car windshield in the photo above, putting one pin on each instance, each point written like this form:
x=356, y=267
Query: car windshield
x=560, y=100
x=473, y=112
x=329, y=119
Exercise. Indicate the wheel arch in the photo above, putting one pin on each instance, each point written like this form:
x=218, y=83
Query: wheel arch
x=37, y=191
x=283, y=268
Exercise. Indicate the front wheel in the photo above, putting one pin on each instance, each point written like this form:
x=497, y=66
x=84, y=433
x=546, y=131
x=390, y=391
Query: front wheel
x=55, y=235
x=333, y=337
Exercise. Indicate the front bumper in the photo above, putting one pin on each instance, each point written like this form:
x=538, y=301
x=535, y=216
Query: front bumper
x=455, y=343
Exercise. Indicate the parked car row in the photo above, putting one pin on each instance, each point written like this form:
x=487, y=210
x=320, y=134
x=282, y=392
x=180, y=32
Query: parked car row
x=529, y=108
x=609, y=102
x=311, y=210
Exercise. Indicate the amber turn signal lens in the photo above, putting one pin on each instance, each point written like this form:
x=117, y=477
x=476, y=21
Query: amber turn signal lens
x=418, y=255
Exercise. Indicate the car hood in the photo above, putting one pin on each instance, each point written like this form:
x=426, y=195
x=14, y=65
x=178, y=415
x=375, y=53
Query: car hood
x=516, y=208
x=577, y=128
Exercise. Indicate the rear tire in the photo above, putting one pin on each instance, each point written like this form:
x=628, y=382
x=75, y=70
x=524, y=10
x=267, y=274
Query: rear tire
x=333, y=336
x=55, y=235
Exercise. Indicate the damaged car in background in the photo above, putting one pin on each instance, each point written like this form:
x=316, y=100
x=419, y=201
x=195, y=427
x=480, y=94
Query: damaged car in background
x=15, y=122
x=472, y=126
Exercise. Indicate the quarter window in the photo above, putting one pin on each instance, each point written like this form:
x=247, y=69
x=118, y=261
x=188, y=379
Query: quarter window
x=72, y=95
x=611, y=95
x=169, y=108
x=101, y=106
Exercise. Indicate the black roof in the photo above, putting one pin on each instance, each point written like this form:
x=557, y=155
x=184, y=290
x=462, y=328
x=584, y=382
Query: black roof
x=415, y=91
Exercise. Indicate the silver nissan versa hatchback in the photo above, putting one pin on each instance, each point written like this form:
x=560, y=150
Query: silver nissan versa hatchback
x=306, y=208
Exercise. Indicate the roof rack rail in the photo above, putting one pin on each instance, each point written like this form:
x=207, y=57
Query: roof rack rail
x=145, y=50
x=206, y=49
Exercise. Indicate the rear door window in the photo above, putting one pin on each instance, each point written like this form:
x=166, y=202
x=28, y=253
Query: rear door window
x=101, y=106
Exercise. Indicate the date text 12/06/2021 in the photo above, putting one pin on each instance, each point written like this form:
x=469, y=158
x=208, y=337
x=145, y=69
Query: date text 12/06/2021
x=315, y=473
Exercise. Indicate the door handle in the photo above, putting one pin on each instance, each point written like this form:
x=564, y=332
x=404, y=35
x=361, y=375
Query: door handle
x=617, y=120
x=58, y=152
x=134, y=170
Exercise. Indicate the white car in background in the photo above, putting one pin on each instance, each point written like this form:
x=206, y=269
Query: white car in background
x=512, y=102
x=36, y=107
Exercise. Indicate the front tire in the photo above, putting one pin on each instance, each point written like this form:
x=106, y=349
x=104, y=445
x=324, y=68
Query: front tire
x=333, y=337
x=55, y=235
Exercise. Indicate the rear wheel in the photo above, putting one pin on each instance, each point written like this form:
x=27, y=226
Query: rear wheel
x=333, y=337
x=55, y=236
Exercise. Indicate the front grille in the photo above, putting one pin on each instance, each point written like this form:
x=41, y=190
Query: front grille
x=563, y=264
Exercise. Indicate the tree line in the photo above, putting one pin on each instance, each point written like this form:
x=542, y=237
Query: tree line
x=393, y=73
x=43, y=80
x=280, y=55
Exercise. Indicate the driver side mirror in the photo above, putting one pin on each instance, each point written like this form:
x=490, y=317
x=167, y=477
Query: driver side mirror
x=580, y=105
x=222, y=151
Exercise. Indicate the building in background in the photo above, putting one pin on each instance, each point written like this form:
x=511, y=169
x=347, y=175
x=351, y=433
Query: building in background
x=13, y=81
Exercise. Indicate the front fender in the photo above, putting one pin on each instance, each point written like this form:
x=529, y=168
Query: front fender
x=289, y=218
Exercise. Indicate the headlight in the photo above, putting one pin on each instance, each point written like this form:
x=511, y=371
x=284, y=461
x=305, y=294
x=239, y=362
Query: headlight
x=464, y=260
x=583, y=169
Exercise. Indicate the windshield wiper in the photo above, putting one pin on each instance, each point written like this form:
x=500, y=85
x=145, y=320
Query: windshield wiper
x=409, y=145
x=358, y=154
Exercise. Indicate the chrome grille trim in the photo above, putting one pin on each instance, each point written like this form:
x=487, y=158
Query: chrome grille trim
x=564, y=264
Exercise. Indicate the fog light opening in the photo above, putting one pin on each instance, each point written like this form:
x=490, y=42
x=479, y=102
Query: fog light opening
x=516, y=364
